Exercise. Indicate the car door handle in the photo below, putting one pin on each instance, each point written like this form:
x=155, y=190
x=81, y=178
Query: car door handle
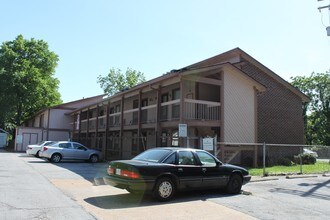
x=180, y=169
x=204, y=170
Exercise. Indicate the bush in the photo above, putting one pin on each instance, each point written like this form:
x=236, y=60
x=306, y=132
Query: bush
x=284, y=161
x=306, y=159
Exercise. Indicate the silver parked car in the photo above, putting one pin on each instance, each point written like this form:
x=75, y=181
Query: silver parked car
x=67, y=150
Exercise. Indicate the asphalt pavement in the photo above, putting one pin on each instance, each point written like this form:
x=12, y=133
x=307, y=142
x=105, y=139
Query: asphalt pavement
x=32, y=188
x=26, y=194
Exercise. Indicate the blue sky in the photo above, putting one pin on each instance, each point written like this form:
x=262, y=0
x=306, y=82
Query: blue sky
x=154, y=37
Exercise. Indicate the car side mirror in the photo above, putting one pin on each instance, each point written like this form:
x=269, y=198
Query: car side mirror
x=218, y=163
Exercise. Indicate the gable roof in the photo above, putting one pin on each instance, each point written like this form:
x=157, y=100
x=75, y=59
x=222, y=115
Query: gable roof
x=236, y=56
x=77, y=104
x=227, y=59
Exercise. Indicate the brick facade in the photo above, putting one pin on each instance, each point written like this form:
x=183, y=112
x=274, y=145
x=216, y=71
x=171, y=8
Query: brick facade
x=280, y=115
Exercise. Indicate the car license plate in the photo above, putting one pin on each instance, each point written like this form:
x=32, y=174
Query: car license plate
x=118, y=171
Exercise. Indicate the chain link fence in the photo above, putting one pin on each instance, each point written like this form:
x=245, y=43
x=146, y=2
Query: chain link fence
x=267, y=159
x=276, y=159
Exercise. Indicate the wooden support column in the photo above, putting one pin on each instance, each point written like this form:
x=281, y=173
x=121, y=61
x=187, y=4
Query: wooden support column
x=107, y=130
x=79, y=128
x=87, y=129
x=158, y=128
x=121, y=132
x=139, y=122
x=97, y=125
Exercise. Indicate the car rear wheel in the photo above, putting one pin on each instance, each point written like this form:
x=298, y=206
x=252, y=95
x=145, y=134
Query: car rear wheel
x=94, y=158
x=55, y=158
x=38, y=154
x=164, y=189
x=234, y=185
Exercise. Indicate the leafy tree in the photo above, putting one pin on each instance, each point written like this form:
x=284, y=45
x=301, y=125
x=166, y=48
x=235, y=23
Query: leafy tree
x=26, y=78
x=317, y=111
x=116, y=81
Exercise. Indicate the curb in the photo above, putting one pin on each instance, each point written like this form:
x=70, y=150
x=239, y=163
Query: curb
x=263, y=179
x=300, y=176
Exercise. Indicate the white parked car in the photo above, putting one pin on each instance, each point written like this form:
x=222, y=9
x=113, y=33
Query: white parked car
x=307, y=151
x=34, y=149
x=68, y=150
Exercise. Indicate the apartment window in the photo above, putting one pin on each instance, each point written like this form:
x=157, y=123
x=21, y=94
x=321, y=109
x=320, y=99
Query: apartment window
x=165, y=98
x=135, y=103
x=144, y=113
x=176, y=94
x=163, y=109
x=176, y=107
x=144, y=102
x=117, y=109
x=136, y=113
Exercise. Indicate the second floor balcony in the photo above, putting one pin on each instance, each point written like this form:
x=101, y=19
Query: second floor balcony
x=194, y=110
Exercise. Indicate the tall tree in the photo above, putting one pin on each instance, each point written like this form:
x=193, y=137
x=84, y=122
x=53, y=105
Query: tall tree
x=317, y=111
x=26, y=78
x=116, y=81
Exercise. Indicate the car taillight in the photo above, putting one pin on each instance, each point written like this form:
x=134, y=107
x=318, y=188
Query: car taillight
x=45, y=148
x=130, y=174
x=30, y=148
x=125, y=173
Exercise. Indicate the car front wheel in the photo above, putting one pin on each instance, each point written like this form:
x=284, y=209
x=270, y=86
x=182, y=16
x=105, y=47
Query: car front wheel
x=94, y=158
x=164, y=189
x=234, y=185
x=55, y=158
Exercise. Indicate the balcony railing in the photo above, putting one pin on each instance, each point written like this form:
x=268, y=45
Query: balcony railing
x=83, y=125
x=131, y=116
x=201, y=110
x=92, y=124
x=102, y=122
x=114, y=119
x=149, y=114
x=169, y=111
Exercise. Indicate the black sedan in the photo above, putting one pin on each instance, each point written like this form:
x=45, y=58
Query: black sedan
x=163, y=171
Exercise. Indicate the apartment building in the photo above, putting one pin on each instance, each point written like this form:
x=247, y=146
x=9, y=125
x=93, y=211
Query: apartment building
x=231, y=97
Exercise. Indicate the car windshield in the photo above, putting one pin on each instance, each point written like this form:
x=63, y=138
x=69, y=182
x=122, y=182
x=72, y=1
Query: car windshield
x=153, y=155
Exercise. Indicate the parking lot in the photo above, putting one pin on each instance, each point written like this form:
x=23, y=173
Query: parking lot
x=28, y=184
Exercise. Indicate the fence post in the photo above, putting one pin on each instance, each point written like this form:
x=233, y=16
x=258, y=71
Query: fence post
x=300, y=158
x=264, y=158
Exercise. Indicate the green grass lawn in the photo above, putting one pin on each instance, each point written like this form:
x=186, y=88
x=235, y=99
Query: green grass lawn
x=318, y=167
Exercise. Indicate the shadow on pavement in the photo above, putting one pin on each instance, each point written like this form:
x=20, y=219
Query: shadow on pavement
x=93, y=172
x=127, y=200
x=312, y=193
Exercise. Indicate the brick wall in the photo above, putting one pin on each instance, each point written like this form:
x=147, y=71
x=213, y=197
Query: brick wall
x=280, y=116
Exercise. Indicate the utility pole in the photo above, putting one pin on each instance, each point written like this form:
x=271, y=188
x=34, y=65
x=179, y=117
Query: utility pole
x=321, y=8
